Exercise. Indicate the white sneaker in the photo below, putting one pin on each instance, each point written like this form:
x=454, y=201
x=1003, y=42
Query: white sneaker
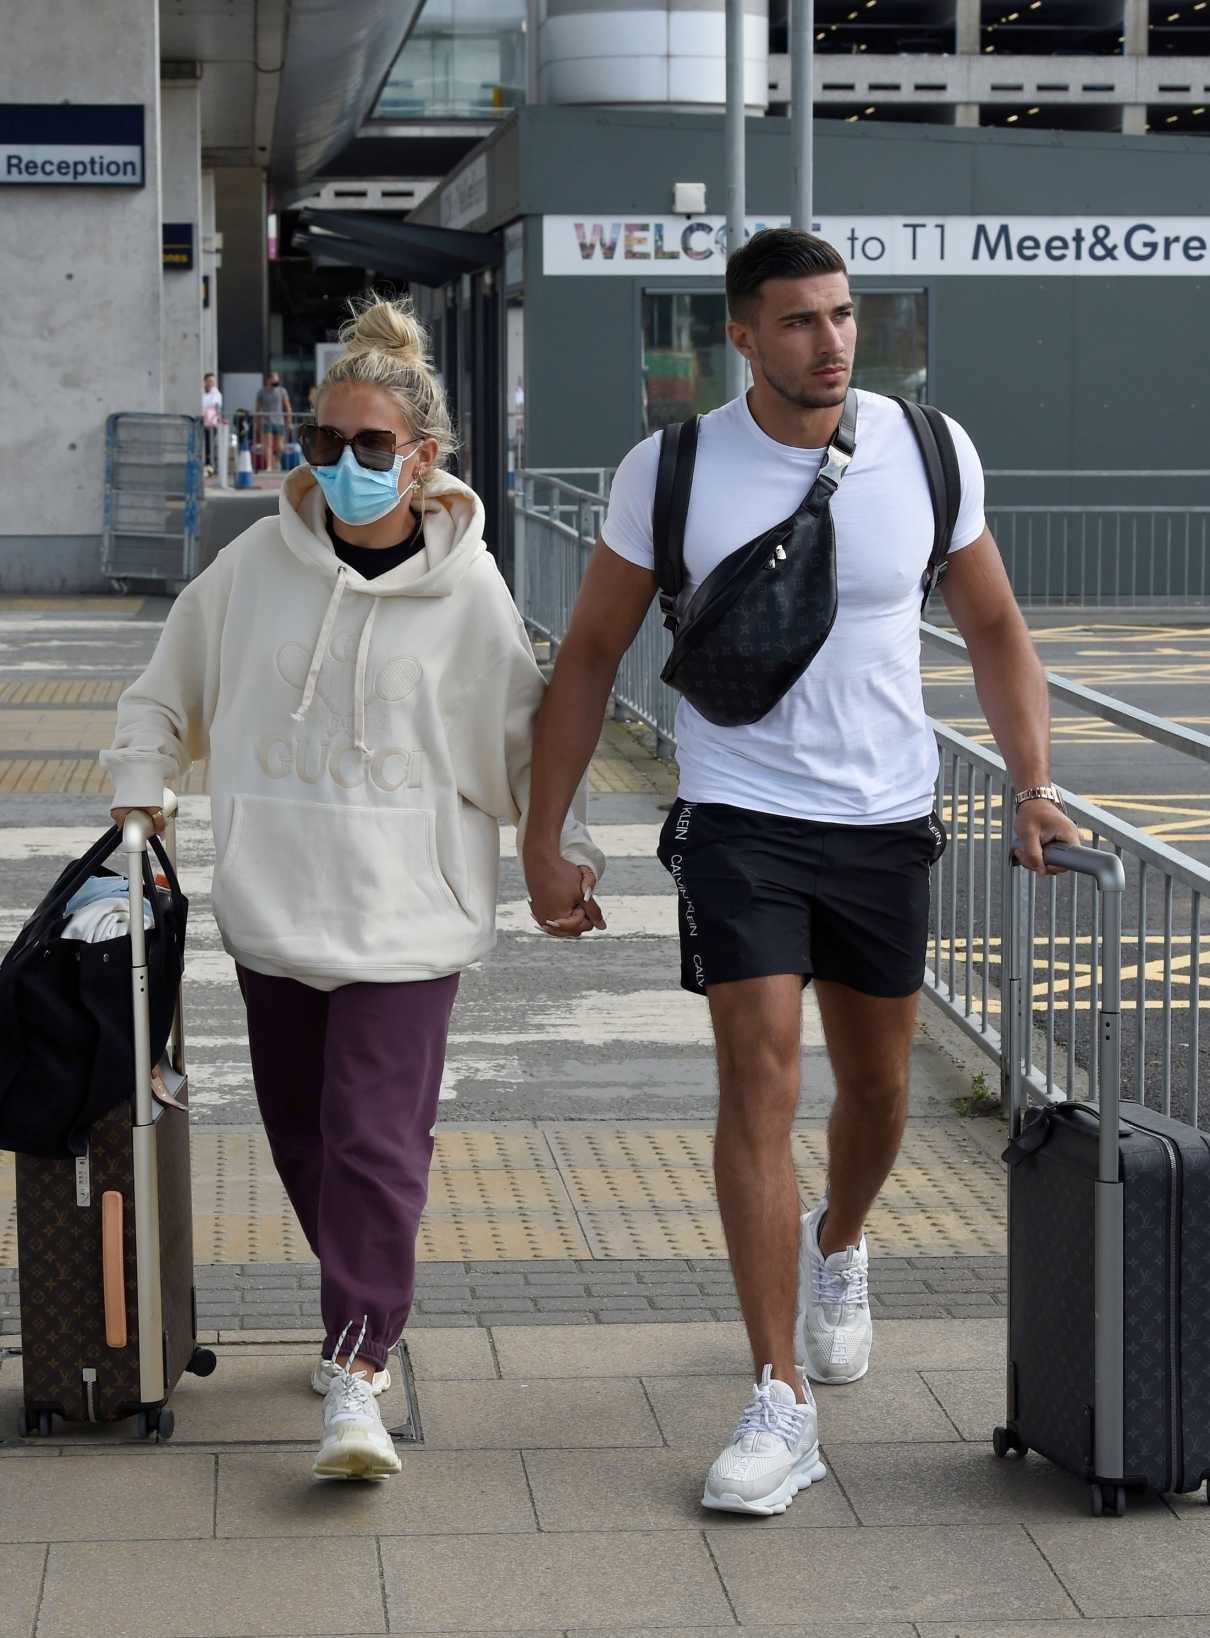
x=834, y=1331
x=355, y=1443
x=773, y=1454
x=324, y=1374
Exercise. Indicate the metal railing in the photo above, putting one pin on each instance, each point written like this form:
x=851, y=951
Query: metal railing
x=1163, y=1038
x=556, y=526
x=1104, y=555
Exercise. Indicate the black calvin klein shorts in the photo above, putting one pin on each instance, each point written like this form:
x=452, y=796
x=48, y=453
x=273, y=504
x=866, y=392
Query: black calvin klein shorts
x=760, y=894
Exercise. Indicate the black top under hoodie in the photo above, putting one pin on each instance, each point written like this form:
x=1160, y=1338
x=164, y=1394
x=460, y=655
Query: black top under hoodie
x=371, y=561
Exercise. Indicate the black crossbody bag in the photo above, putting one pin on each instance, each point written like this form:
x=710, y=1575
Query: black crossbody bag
x=750, y=630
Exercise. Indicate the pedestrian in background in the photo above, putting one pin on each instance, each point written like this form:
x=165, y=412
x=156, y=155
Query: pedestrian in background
x=212, y=415
x=272, y=417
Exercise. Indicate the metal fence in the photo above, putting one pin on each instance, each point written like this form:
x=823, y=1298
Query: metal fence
x=1163, y=1038
x=153, y=494
x=1105, y=555
x=556, y=526
x=1137, y=552
x=1058, y=962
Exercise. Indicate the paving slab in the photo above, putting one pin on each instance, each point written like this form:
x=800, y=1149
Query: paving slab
x=258, y=1399
x=272, y=1493
x=623, y=1350
x=1142, y=1565
x=21, y=1579
x=974, y=1400
x=919, y=1345
x=570, y=1580
x=237, y=1589
x=1157, y=1627
x=911, y=1574
x=650, y=1490
x=699, y=1412
x=509, y=1415
x=953, y=1484
x=813, y=1629
x=51, y=1500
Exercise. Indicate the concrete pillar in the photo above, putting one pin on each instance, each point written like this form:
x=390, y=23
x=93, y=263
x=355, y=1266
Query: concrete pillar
x=243, y=284
x=212, y=255
x=1135, y=32
x=968, y=19
x=80, y=272
x=181, y=195
x=966, y=114
x=1134, y=119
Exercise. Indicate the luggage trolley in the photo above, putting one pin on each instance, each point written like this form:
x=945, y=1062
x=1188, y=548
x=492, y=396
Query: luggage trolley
x=153, y=496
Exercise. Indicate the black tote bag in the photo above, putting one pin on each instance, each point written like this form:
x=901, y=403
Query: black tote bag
x=66, y=1020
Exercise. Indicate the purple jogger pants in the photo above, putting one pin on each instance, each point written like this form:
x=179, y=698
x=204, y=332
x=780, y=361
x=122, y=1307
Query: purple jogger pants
x=348, y=1081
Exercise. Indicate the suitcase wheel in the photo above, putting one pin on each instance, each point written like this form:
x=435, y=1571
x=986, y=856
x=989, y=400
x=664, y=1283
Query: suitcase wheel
x=1008, y=1442
x=1107, y=1498
x=157, y=1423
x=202, y=1363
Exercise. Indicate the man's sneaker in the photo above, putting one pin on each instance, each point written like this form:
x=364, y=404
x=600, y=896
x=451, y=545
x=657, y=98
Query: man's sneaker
x=834, y=1330
x=355, y=1443
x=324, y=1374
x=773, y=1454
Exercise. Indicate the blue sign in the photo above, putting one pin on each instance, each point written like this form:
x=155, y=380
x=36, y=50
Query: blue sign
x=178, y=247
x=82, y=145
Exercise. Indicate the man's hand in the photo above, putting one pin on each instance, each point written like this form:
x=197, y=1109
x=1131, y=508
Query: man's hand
x=1037, y=823
x=561, y=900
x=156, y=815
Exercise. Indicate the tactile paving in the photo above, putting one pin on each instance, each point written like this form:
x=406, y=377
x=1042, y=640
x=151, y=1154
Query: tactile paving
x=571, y=1191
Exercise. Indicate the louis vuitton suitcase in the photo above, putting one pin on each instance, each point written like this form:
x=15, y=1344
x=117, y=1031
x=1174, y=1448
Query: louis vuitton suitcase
x=1108, y=1261
x=105, y=1238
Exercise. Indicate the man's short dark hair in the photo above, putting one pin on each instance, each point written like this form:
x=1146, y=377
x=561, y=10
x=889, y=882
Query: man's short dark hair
x=777, y=253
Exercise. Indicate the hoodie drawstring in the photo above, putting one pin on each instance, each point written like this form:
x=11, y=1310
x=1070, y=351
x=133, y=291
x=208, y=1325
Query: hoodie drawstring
x=321, y=645
x=359, y=686
x=363, y=662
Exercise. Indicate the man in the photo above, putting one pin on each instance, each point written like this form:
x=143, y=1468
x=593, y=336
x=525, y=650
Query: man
x=801, y=844
x=272, y=415
x=212, y=414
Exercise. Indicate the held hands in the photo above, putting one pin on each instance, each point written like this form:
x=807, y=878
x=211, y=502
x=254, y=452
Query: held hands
x=561, y=900
x=1036, y=824
x=156, y=815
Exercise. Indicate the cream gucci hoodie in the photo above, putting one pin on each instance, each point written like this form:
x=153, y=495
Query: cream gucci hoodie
x=365, y=739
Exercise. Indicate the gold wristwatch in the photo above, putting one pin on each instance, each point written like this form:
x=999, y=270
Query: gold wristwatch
x=1041, y=793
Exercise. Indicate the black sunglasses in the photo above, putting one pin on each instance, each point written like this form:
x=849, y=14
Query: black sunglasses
x=373, y=447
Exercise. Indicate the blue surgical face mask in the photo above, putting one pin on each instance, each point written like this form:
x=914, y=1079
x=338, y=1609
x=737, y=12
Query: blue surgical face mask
x=357, y=495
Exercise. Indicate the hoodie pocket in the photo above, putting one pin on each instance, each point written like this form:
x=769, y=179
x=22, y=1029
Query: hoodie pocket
x=333, y=889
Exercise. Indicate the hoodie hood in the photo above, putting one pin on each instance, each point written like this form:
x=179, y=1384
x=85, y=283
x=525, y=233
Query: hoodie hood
x=453, y=540
x=453, y=537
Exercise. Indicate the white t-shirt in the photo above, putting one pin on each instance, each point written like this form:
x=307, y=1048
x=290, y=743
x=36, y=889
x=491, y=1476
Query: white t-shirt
x=212, y=406
x=850, y=742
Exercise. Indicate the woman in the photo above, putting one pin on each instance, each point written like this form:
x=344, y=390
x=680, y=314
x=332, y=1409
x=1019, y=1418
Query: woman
x=357, y=675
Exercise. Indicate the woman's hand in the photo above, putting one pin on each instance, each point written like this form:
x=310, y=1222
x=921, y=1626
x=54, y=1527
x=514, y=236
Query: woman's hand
x=561, y=900
x=156, y=815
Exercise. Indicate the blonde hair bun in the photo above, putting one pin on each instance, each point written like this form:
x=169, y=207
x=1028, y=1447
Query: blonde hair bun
x=379, y=326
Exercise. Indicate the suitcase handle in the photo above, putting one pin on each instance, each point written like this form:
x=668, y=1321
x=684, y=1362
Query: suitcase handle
x=137, y=831
x=113, y=1269
x=1105, y=870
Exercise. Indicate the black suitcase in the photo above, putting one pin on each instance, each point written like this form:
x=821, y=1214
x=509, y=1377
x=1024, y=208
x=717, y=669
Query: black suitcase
x=105, y=1240
x=1108, y=1261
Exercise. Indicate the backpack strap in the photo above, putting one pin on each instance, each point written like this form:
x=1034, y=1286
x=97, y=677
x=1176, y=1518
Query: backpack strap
x=670, y=508
x=936, y=443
